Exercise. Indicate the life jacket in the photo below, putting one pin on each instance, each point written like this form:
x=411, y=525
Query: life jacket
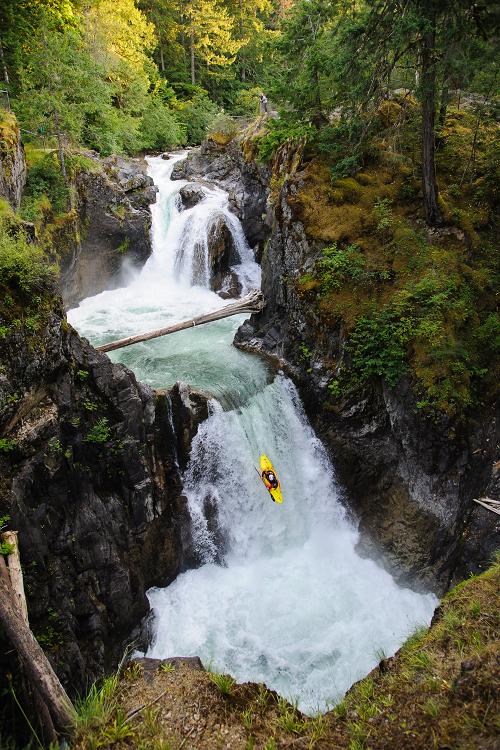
x=270, y=483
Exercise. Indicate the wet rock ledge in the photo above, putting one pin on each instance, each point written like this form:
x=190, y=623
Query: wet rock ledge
x=113, y=227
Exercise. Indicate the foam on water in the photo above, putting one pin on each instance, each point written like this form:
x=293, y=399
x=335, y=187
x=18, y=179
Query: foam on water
x=294, y=606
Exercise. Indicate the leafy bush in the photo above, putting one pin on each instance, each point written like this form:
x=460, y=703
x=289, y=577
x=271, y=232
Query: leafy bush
x=378, y=346
x=23, y=266
x=338, y=266
x=45, y=180
x=247, y=101
x=196, y=116
x=280, y=132
x=99, y=433
x=160, y=128
x=222, y=129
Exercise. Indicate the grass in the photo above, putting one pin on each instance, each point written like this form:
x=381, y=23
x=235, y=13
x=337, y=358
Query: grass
x=224, y=682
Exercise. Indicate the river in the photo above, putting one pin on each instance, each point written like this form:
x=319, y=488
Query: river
x=293, y=604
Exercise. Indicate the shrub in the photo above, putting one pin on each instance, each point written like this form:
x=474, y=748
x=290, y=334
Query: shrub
x=160, y=128
x=99, y=433
x=196, y=116
x=378, y=346
x=222, y=129
x=280, y=132
x=23, y=265
x=247, y=102
x=338, y=266
x=45, y=179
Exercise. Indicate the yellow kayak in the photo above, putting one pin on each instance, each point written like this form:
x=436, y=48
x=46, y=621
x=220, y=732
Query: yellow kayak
x=265, y=466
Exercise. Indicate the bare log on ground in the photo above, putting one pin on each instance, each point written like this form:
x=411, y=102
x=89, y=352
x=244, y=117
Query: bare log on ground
x=253, y=302
x=37, y=667
x=13, y=575
x=16, y=573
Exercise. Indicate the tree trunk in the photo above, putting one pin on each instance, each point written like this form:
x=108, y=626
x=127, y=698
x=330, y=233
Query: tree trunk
x=16, y=573
x=13, y=575
x=38, y=668
x=191, y=49
x=433, y=213
x=162, y=61
x=4, y=66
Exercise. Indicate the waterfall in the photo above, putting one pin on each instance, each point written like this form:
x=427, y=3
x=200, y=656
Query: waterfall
x=293, y=604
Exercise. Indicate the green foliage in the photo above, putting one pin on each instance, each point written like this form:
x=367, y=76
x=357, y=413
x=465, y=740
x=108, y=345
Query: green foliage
x=378, y=346
x=6, y=445
x=338, y=266
x=99, y=433
x=280, y=132
x=224, y=682
x=247, y=102
x=196, y=116
x=23, y=266
x=98, y=705
x=160, y=128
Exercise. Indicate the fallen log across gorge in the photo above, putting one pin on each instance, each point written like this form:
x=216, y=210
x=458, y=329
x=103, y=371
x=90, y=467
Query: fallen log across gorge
x=253, y=302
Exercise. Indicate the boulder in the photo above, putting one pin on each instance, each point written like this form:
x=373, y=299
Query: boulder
x=113, y=223
x=191, y=194
x=222, y=255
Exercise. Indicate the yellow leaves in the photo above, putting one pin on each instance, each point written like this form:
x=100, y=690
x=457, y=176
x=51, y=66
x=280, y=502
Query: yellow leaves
x=122, y=30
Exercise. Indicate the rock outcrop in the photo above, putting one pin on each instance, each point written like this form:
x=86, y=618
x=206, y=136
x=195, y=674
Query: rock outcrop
x=244, y=180
x=191, y=195
x=90, y=478
x=12, y=161
x=114, y=224
x=410, y=480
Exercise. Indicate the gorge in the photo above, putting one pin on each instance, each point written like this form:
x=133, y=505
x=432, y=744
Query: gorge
x=243, y=615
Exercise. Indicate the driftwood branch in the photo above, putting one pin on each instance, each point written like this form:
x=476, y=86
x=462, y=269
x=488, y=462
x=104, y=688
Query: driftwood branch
x=253, y=302
x=489, y=504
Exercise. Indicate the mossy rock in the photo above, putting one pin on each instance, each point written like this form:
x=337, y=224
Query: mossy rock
x=389, y=112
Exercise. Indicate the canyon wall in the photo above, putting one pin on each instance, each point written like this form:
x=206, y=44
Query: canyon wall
x=409, y=479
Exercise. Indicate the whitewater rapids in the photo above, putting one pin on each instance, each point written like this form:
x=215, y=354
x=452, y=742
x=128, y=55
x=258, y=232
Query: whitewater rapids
x=294, y=605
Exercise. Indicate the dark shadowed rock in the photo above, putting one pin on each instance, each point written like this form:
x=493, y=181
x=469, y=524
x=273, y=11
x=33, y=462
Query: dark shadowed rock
x=114, y=223
x=245, y=181
x=191, y=195
x=409, y=480
x=222, y=255
x=92, y=483
x=189, y=409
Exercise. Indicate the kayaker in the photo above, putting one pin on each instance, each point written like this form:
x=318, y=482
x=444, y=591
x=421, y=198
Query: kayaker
x=271, y=479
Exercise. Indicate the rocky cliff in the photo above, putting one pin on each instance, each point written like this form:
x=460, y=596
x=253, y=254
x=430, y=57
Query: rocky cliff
x=12, y=161
x=90, y=478
x=410, y=479
x=113, y=227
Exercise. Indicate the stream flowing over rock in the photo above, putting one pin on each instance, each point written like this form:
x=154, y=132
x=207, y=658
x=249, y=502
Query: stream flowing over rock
x=410, y=480
x=114, y=225
x=92, y=483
